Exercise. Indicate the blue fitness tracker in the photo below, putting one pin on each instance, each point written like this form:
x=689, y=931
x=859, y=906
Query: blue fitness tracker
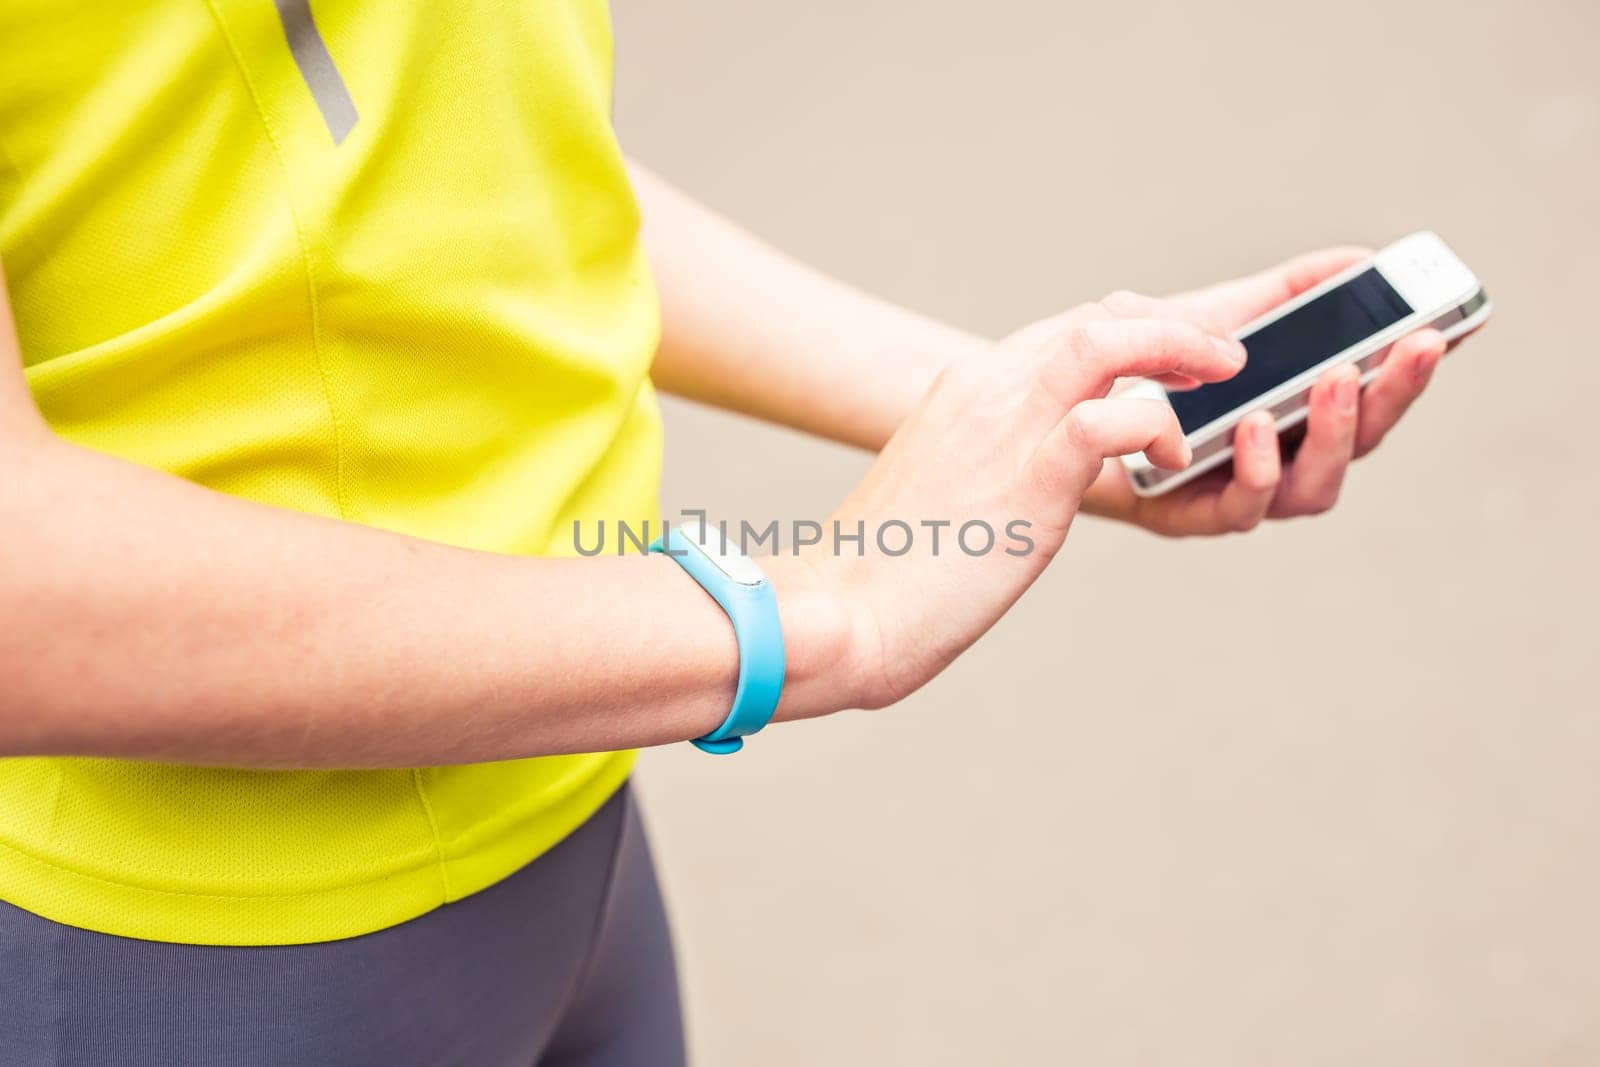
x=735, y=582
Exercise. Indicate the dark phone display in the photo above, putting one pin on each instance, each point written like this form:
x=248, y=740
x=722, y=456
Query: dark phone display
x=1283, y=348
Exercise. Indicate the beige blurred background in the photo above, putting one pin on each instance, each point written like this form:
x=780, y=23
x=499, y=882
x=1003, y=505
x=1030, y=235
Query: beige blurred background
x=1324, y=794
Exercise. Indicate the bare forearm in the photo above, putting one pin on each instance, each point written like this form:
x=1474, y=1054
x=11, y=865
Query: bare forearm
x=745, y=327
x=144, y=617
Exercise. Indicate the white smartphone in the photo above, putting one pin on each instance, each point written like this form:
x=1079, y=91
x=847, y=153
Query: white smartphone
x=1353, y=317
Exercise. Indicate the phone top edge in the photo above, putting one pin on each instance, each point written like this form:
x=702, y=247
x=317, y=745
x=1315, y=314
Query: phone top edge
x=1426, y=272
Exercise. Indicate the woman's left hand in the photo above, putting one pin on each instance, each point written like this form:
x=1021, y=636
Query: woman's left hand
x=1345, y=422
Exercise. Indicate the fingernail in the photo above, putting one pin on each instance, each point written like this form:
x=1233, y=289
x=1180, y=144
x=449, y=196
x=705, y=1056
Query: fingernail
x=1345, y=392
x=1263, y=433
x=1232, y=351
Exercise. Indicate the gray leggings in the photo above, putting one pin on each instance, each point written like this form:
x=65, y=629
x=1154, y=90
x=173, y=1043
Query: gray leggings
x=567, y=963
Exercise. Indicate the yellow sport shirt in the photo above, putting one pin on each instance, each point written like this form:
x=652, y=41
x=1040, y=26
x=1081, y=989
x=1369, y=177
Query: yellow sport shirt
x=369, y=260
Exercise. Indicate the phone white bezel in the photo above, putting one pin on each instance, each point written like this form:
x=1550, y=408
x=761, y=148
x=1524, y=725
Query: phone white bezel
x=1430, y=278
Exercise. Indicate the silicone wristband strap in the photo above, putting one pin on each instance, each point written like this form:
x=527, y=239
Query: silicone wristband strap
x=752, y=607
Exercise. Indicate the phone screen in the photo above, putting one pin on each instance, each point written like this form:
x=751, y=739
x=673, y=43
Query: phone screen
x=1285, y=347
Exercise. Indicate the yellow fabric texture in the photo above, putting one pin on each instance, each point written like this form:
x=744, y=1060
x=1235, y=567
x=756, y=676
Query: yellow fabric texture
x=440, y=326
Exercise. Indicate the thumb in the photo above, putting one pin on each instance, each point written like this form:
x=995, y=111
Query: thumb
x=1069, y=458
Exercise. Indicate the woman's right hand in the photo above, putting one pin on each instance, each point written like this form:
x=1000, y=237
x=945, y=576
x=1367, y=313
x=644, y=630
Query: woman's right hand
x=1006, y=441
